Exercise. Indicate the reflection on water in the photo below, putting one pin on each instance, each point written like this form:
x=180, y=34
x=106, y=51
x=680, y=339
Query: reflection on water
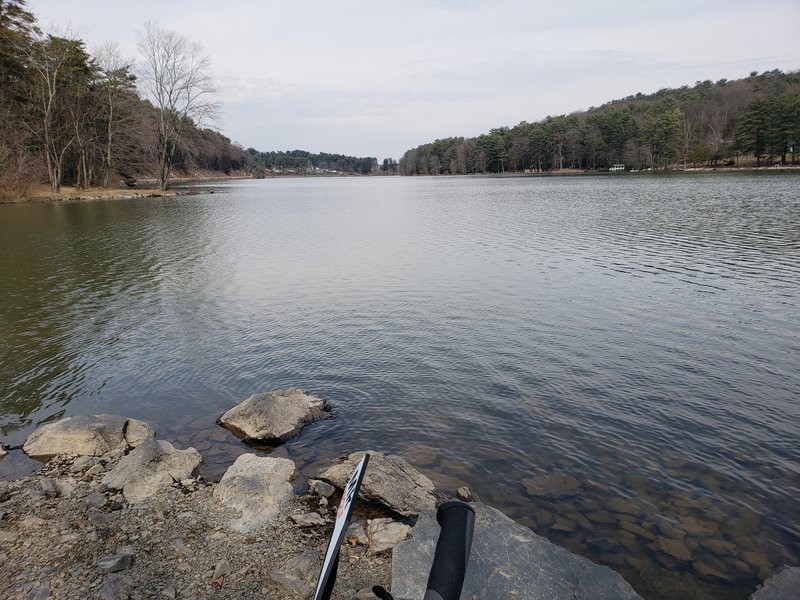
x=637, y=333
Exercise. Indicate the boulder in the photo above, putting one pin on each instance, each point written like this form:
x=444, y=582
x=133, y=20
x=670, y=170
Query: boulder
x=151, y=467
x=552, y=485
x=274, y=417
x=783, y=585
x=255, y=487
x=389, y=481
x=507, y=560
x=86, y=435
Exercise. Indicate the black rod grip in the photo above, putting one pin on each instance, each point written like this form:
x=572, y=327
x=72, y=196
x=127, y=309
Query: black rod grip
x=457, y=522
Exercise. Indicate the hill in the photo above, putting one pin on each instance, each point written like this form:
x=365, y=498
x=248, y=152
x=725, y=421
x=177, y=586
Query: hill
x=752, y=121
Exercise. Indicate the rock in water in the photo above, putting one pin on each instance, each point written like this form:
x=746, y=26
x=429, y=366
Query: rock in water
x=552, y=485
x=3, y=450
x=507, y=560
x=274, y=416
x=153, y=466
x=256, y=487
x=86, y=435
x=389, y=481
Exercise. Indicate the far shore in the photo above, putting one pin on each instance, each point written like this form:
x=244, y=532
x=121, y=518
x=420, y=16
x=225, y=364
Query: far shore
x=184, y=186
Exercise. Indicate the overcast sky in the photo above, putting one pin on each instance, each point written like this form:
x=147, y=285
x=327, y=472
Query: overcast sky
x=377, y=78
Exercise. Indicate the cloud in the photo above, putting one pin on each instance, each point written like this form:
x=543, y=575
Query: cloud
x=376, y=79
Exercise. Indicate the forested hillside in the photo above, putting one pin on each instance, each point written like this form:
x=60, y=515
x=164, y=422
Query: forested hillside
x=302, y=162
x=750, y=121
x=71, y=117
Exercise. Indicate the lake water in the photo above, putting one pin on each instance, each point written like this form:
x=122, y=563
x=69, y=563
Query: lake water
x=640, y=333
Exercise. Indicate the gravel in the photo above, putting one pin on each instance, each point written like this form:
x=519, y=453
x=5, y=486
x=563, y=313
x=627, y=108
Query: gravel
x=174, y=545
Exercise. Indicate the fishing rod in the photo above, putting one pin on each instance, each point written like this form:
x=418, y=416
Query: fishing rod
x=446, y=578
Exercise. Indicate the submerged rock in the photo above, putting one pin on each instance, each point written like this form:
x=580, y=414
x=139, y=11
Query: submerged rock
x=672, y=547
x=507, y=560
x=389, y=481
x=153, y=466
x=552, y=485
x=257, y=488
x=274, y=416
x=86, y=435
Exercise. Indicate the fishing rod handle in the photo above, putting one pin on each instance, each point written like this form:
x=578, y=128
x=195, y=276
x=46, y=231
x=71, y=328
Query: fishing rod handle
x=457, y=522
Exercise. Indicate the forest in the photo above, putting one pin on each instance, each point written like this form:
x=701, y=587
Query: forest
x=73, y=117
x=754, y=121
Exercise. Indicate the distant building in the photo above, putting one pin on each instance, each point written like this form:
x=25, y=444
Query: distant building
x=615, y=168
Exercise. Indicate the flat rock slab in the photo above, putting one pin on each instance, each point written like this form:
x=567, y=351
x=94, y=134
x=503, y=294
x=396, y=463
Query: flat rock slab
x=256, y=487
x=783, y=585
x=507, y=560
x=154, y=465
x=274, y=417
x=389, y=481
x=86, y=435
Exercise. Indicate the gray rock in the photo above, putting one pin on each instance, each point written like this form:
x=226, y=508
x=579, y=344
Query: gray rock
x=222, y=568
x=385, y=534
x=320, y=488
x=356, y=534
x=299, y=574
x=95, y=500
x=274, y=416
x=365, y=594
x=552, y=485
x=82, y=463
x=115, y=562
x=3, y=450
x=181, y=548
x=65, y=488
x=308, y=520
x=115, y=588
x=49, y=487
x=507, y=560
x=169, y=592
x=389, y=481
x=783, y=585
x=255, y=487
x=153, y=466
x=86, y=435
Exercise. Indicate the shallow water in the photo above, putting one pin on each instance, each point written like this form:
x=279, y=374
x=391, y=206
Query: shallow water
x=639, y=333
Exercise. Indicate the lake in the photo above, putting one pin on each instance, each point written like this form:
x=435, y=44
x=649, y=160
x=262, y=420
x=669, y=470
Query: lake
x=638, y=332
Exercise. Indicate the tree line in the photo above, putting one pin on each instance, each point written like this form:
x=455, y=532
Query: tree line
x=69, y=116
x=754, y=120
x=303, y=162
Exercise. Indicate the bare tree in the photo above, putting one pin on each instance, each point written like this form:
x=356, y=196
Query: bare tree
x=115, y=82
x=175, y=77
x=60, y=71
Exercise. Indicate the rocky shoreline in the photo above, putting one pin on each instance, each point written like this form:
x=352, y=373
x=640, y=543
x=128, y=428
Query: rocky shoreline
x=117, y=514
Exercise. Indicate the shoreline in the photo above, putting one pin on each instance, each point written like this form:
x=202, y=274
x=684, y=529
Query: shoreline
x=184, y=186
x=70, y=516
